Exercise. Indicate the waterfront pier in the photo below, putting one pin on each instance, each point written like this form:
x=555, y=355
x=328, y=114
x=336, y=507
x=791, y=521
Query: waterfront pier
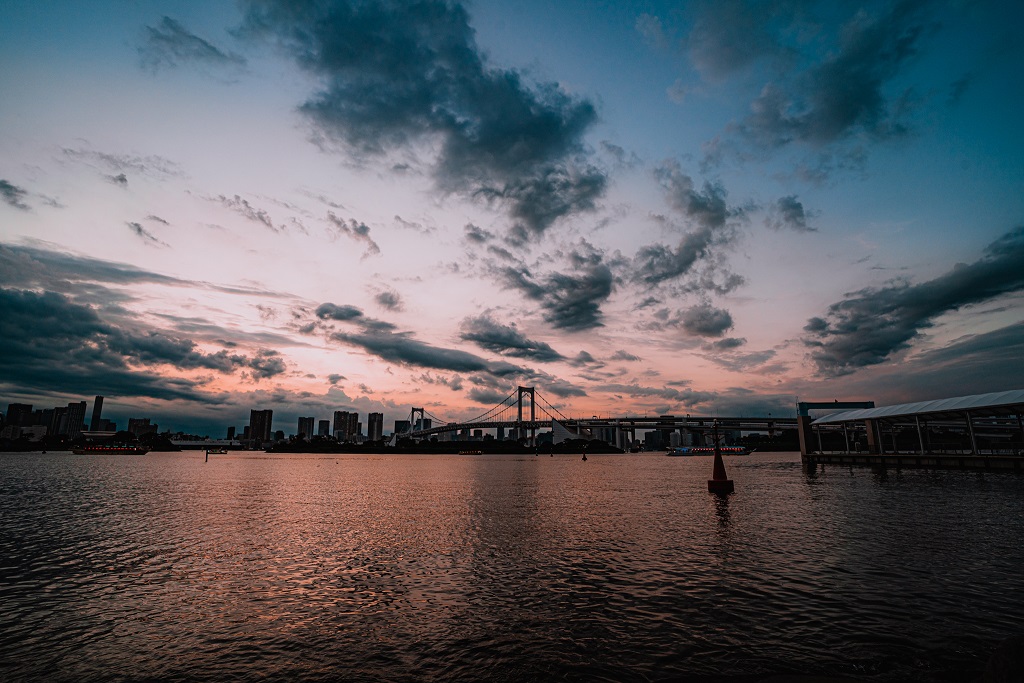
x=982, y=431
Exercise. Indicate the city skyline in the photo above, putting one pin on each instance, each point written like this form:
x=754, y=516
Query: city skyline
x=646, y=208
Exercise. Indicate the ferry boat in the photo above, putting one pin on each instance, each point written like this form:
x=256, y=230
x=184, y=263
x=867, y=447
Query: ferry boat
x=709, y=450
x=216, y=451
x=114, y=450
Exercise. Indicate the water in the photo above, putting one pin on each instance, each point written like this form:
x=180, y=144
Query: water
x=410, y=568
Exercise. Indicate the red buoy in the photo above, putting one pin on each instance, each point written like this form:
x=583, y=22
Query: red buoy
x=720, y=482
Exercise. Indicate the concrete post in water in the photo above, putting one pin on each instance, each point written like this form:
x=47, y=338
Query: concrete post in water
x=719, y=483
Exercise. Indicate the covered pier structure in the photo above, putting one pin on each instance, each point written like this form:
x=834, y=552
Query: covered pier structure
x=978, y=431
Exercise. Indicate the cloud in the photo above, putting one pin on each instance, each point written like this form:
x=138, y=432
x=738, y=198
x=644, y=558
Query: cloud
x=170, y=44
x=265, y=363
x=845, y=92
x=243, y=208
x=571, y=301
x=403, y=349
x=728, y=35
x=356, y=231
x=53, y=344
x=347, y=313
x=789, y=213
x=711, y=229
x=151, y=165
x=335, y=378
x=506, y=340
x=706, y=321
x=477, y=235
x=626, y=356
x=146, y=235
x=870, y=325
x=394, y=75
x=119, y=179
x=13, y=195
x=389, y=299
x=485, y=397
x=727, y=344
x=536, y=202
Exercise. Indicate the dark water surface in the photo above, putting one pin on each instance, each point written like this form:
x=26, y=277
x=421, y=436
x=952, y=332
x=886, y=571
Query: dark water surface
x=407, y=568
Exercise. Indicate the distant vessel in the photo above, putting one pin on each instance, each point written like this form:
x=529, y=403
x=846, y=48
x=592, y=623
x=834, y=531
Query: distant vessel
x=116, y=450
x=709, y=450
x=216, y=451
x=471, y=452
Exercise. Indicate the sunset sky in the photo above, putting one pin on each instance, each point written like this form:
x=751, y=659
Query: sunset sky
x=637, y=207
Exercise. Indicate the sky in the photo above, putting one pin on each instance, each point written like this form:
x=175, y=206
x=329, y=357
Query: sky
x=638, y=208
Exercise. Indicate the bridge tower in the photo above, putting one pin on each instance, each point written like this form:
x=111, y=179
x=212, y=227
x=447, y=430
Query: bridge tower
x=412, y=418
x=533, y=415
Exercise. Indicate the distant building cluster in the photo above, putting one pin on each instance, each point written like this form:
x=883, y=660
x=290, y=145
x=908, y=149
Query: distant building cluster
x=23, y=421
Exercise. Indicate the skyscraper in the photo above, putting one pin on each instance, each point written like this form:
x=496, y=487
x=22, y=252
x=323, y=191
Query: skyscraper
x=375, y=426
x=260, y=422
x=306, y=427
x=76, y=419
x=97, y=408
x=323, y=428
x=345, y=425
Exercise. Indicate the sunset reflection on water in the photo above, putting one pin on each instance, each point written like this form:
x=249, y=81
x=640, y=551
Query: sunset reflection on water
x=470, y=567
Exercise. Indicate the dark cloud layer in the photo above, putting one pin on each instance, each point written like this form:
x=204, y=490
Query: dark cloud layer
x=53, y=344
x=506, y=340
x=570, y=300
x=709, y=229
x=846, y=91
x=403, y=349
x=169, y=44
x=871, y=324
x=13, y=195
x=706, y=321
x=395, y=74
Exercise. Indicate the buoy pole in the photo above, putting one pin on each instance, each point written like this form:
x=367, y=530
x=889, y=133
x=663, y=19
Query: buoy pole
x=720, y=482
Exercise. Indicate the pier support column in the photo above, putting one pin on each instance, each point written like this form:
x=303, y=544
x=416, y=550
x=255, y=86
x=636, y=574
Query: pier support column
x=804, y=431
x=872, y=436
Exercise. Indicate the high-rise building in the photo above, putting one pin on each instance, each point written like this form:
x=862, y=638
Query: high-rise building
x=260, y=422
x=76, y=419
x=323, y=428
x=346, y=425
x=306, y=427
x=402, y=426
x=231, y=433
x=19, y=414
x=97, y=408
x=375, y=426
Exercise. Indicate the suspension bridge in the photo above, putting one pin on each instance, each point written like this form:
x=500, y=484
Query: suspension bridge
x=523, y=412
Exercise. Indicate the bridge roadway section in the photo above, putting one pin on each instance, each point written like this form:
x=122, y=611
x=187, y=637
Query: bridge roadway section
x=626, y=424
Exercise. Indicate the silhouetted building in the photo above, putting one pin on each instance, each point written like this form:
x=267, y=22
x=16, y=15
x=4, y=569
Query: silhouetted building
x=231, y=433
x=260, y=422
x=402, y=426
x=323, y=428
x=19, y=414
x=375, y=426
x=306, y=427
x=97, y=408
x=75, y=419
x=140, y=426
x=346, y=425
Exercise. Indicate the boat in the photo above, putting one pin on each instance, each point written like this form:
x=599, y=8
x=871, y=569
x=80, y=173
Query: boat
x=708, y=450
x=216, y=451
x=111, y=450
x=471, y=452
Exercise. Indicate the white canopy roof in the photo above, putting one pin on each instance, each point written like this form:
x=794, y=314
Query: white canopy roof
x=944, y=405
